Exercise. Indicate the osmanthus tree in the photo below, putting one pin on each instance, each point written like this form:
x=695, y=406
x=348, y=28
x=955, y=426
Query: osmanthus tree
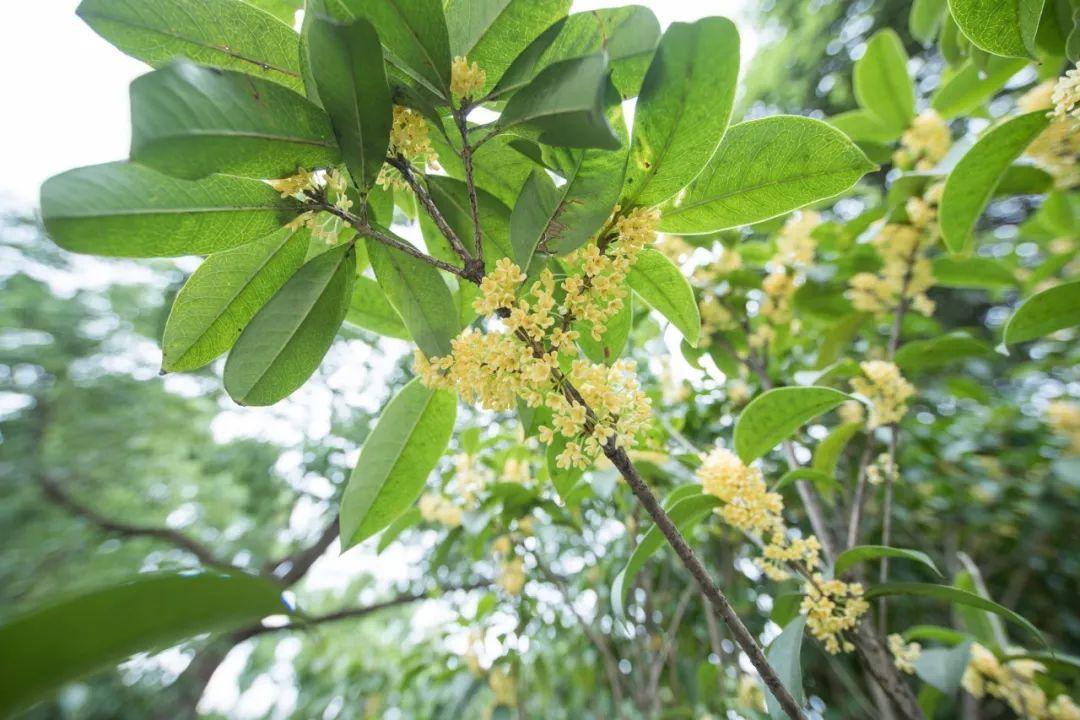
x=295, y=160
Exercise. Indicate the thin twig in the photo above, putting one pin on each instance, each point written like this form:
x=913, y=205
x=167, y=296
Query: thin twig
x=857, y=502
x=470, y=182
x=430, y=207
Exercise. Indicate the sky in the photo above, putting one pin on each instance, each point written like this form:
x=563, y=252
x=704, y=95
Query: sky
x=66, y=88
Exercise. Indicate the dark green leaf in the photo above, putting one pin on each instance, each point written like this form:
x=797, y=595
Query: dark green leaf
x=347, y=67
x=765, y=168
x=941, y=350
x=863, y=553
x=226, y=34
x=46, y=648
x=1049, y=311
x=971, y=184
x=287, y=339
x=369, y=309
x=452, y=198
x=971, y=272
x=191, y=121
x=774, y=415
x=661, y=284
x=396, y=459
x=683, y=110
x=223, y=295
x=125, y=210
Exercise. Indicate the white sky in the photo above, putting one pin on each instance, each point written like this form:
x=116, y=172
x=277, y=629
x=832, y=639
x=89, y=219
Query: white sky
x=66, y=89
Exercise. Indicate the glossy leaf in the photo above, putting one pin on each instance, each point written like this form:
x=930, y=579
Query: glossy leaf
x=1001, y=27
x=346, y=64
x=452, y=198
x=942, y=350
x=223, y=295
x=565, y=105
x=661, y=284
x=420, y=296
x=971, y=184
x=287, y=339
x=882, y=84
x=227, y=34
x=396, y=459
x=773, y=416
x=612, y=343
x=685, y=514
x=370, y=310
x=683, y=110
x=45, y=648
x=971, y=272
x=865, y=553
x=401, y=523
x=972, y=86
x=493, y=33
x=126, y=210
x=785, y=656
x=191, y=121
x=953, y=595
x=765, y=168
x=1051, y=310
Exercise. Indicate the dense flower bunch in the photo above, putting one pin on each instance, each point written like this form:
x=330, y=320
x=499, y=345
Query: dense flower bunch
x=796, y=245
x=1064, y=418
x=1057, y=148
x=466, y=80
x=409, y=139
x=305, y=182
x=532, y=328
x=886, y=389
x=440, y=509
x=795, y=249
x=906, y=273
x=882, y=469
x=1014, y=684
x=1066, y=95
x=470, y=477
x=904, y=654
x=924, y=144
x=512, y=576
x=832, y=607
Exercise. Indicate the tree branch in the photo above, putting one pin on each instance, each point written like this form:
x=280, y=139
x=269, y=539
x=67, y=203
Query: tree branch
x=470, y=182
x=430, y=207
x=290, y=569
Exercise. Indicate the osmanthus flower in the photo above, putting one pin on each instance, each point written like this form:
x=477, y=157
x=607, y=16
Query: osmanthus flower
x=886, y=389
x=795, y=245
x=440, y=509
x=1057, y=148
x=466, y=80
x=852, y=411
x=334, y=183
x=883, y=468
x=512, y=576
x=1013, y=682
x=832, y=607
x=1066, y=95
x=925, y=143
x=750, y=696
x=905, y=654
x=1064, y=418
x=408, y=139
x=503, y=687
x=470, y=477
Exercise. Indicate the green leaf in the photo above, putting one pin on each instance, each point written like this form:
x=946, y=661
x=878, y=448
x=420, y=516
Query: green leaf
x=971, y=272
x=1001, y=27
x=953, y=595
x=226, y=34
x=661, y=284
x=497, y=167
x=683, y=110
x=943, y=668
x=414, y=33
x=419, y=294
x=941, y=350
x=971, y=184
x=863, y=553
x=685, y=514
x=124, y=210
x=822, y=481
x=283, y=10
x=773, y=416
x=396, y=459
x=287, y=339
x=370, y=310
x=564, y=479
x=451, y=196
x=784, y=654
x=925, y=19
x=346, y=65
x=223, y=295
x=190, y=121
x=765, y=168
x=565, y=104
x=864, y=126
x=493, y=33
x=882, y=84
x=46, y=648
x=1049, y=311
x=971, y=86
x=403, y=522
x=935, y=633
x=612, y=343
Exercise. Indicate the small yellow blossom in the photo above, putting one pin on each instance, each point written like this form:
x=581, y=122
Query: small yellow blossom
x=466, y=81
x=886, y=389
x=904, y=654
x=1066, y=95
x=750, y=695
x=470, y=477
x=1039, y=97
x=795, y=245
x=1013, y=682
x=852, y=411
x=408, y=139
x=925, y=143
x=436, y=508
x=502, y=545
x=832, y=607
x=779, y=289
x=1063, y=708
x=502, y=687
x=882, y=469
x=512, y=576
x=1064, y=418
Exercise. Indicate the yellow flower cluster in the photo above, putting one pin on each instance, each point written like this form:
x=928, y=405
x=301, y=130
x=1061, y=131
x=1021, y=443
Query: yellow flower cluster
x=904, y=654
x=905, y=272
x=502, y=545
x=1066, y=95
x=323, y=227
x=795, y=246
x=852, y=412
x=715, y=317
x=750, y=507
x=1064, y=418
x=924, y=144
x=408, y=139
x=440, y=509
x=466, y=80
x=495, y=369
x=832, y=607
x=1014, y=684
x=882, y=469
x=674, y=247
x=886, y=389
x=779, y=289
x=516, y=471
x=1057, y=148
x=470, y=477
x=512, y=576
x=750, y=695
x=502, y=687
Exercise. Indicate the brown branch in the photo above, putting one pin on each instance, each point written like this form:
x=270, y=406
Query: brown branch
x=59, y=496
x=290, y=569
x=430, y=207
x=470, y=182
x=859, y=499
